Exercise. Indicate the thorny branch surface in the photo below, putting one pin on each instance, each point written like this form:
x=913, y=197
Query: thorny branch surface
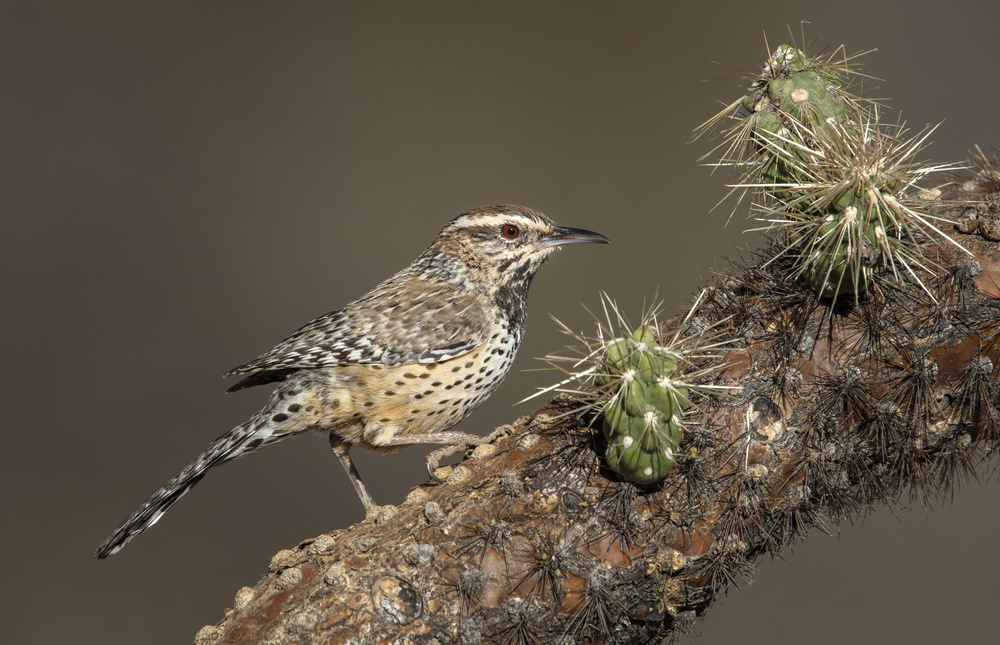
x=531, y=540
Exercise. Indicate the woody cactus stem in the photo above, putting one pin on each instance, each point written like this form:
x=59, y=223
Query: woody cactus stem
x=534, y=540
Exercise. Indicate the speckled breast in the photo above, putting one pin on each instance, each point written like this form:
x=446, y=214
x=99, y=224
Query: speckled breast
x=377, y=402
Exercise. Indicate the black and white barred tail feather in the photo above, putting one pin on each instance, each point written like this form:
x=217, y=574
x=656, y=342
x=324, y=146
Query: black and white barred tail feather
x=229, y=446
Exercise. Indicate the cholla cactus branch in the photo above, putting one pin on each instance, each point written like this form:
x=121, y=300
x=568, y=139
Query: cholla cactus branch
x=534, y=539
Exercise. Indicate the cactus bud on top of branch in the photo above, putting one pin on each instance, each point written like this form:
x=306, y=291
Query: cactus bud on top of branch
x=838, y=186
x=642, y=419
x=642, y=382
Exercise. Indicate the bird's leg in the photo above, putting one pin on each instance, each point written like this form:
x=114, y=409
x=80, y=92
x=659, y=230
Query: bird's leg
x=341, y=449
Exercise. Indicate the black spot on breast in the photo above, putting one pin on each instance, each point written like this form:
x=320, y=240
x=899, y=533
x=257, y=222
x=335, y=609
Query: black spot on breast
x=278, y=418
x=385, y=420
x=456, y=368
x=468, y=365
x=430, y=366
x=425, y=376
x=400, y=383
x=418, y=396
x=389, y=393
x=369, y=404
x=436, y=384
x=295, y=407
x=409, y=375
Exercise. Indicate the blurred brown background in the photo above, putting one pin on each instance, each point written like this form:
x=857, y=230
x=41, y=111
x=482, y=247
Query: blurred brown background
x=184, y=184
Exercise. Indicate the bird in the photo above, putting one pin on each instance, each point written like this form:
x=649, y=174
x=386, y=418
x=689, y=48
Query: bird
x=401, y=365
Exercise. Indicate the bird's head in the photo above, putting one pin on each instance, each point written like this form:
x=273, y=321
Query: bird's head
x=506, y=244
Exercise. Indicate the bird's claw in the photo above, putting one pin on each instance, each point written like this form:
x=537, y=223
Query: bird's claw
x=434, y=458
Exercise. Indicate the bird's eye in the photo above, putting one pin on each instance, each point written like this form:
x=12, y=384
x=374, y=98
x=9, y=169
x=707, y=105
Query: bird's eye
x=510, y=231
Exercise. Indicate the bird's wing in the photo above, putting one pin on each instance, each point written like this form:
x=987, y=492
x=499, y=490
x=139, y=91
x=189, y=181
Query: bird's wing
x=401, y=321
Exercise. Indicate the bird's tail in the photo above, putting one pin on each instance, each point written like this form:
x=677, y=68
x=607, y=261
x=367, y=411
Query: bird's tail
x=234, y=443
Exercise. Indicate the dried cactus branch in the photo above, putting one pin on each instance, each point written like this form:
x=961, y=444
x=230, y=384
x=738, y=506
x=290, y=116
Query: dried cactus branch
x=532, y=539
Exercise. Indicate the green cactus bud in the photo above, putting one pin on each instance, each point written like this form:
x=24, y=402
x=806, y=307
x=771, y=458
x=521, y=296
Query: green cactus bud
x=663, y=364
x=651, y=429
x=668, y=364
x=614, y=417
x=635, y=398
x=770, y=122
x=644, y=369
x=663, y=401
x=630, y=459
x=682, y=397
x=645, y=336
x=639, y=419
x=614, y=356
x=832, y=275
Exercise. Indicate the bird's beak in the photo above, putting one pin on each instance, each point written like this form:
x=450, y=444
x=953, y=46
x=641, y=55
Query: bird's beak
x=566, y=235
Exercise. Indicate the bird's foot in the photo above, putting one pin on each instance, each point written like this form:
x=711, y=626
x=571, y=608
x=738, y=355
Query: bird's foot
x=435, y=457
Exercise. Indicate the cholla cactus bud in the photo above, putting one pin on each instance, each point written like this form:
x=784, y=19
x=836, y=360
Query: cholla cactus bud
x=643, y=384
x=642, y=418
x=836, y=184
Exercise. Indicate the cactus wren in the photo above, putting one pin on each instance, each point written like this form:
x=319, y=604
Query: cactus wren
x=399, y=366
